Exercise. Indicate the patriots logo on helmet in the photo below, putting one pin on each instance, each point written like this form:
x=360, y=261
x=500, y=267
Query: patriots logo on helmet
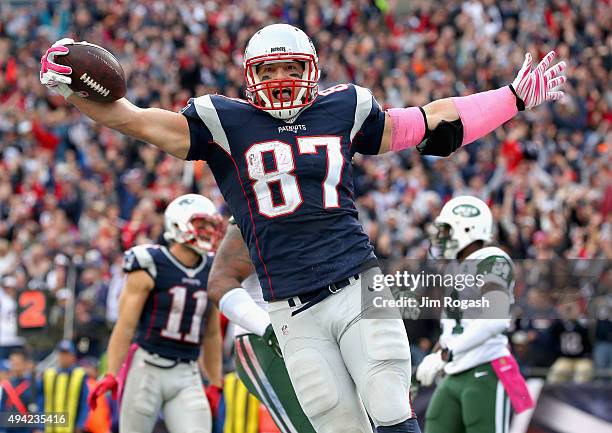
x=185, y=202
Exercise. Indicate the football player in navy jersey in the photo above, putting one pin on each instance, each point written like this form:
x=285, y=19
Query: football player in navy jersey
x=282, y=159
x=164, y=309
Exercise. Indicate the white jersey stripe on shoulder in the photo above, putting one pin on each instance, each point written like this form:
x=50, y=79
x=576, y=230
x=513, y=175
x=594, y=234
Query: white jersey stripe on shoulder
x=208, y=113
x=362, y=109
x=145, y=260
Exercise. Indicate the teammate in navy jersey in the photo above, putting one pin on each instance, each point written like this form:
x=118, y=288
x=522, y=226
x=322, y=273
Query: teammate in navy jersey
x=164, y=309
x=282, y=161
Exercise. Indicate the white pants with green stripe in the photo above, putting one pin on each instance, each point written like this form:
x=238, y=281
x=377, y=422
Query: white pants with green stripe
x=341, y=364
x=263, y=372
x=177, y=391
x=473, y=401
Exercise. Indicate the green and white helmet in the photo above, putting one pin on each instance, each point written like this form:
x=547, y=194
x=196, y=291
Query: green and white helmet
x=462, y=220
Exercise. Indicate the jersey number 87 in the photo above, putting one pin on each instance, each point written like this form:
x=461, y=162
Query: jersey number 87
x=287, y=180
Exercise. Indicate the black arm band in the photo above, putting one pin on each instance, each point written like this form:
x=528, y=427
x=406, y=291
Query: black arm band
x=427, y=131
x=443, y=140
x=520, y=104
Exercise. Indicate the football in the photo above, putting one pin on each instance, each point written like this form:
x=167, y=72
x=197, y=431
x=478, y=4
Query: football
x=96, y=73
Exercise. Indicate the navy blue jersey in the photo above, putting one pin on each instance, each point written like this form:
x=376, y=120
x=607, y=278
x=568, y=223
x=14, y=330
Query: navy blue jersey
x=290, y=185
x=172, y=321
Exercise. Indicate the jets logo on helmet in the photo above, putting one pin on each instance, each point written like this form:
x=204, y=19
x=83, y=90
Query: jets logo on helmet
x=466, y=210
x=462, y=220
x=282, y=98
x=193, y=220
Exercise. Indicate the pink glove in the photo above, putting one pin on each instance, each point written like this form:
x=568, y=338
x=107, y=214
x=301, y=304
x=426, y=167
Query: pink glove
x=53, y=75
x=539, y=85
x=107, y=383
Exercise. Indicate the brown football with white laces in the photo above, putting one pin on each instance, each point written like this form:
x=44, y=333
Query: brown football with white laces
x=96, y=73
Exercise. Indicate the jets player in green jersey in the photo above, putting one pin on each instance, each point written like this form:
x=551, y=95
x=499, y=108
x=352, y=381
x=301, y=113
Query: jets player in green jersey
x=474, y=355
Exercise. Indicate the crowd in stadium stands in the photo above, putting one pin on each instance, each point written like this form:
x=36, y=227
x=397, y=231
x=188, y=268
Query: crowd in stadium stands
x=74, y=195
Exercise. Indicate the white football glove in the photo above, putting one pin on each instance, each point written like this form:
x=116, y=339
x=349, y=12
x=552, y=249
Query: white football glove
x=539, y=85
x=52, y=75
x=429, y=367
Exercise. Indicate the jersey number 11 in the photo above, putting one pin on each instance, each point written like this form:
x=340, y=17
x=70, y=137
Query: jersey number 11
x=173, y=326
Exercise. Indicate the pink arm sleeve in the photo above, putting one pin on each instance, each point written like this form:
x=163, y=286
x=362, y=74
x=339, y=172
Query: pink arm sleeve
x=481, y=113
x=408, y=127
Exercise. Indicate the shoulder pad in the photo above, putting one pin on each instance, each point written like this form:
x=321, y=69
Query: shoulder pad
x=363, y=107
x=337, y=89
x=233, y=112
x=140, y=258
x=352, y=104
x=222, y=115
x=495, y=266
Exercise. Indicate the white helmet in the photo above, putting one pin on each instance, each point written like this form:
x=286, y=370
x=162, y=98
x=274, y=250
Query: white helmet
x=179, y=220
x=281, y=43
x=462, y=220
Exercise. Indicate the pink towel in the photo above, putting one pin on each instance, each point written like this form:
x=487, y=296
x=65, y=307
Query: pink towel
x=509, y=375
x=125, y=368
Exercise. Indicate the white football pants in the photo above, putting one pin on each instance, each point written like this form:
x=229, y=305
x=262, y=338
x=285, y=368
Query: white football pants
x=338, y=362
x=177, y=391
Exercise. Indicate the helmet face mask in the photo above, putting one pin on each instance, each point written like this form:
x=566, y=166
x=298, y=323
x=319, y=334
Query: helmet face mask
x=206, y=233
x=442, y=243
x=275, y=44
x=462, y=221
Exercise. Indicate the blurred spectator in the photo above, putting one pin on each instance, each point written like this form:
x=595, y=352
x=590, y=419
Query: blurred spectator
x=64, y=389
x=4, y=368
x=572, y=343
x=602, y=350
x=19, y=391
x=9, y=340
x=521, y=351
x=100, y=420
x=535, y=318
x=90, y=330
x=8, y=258
x=421, y=334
